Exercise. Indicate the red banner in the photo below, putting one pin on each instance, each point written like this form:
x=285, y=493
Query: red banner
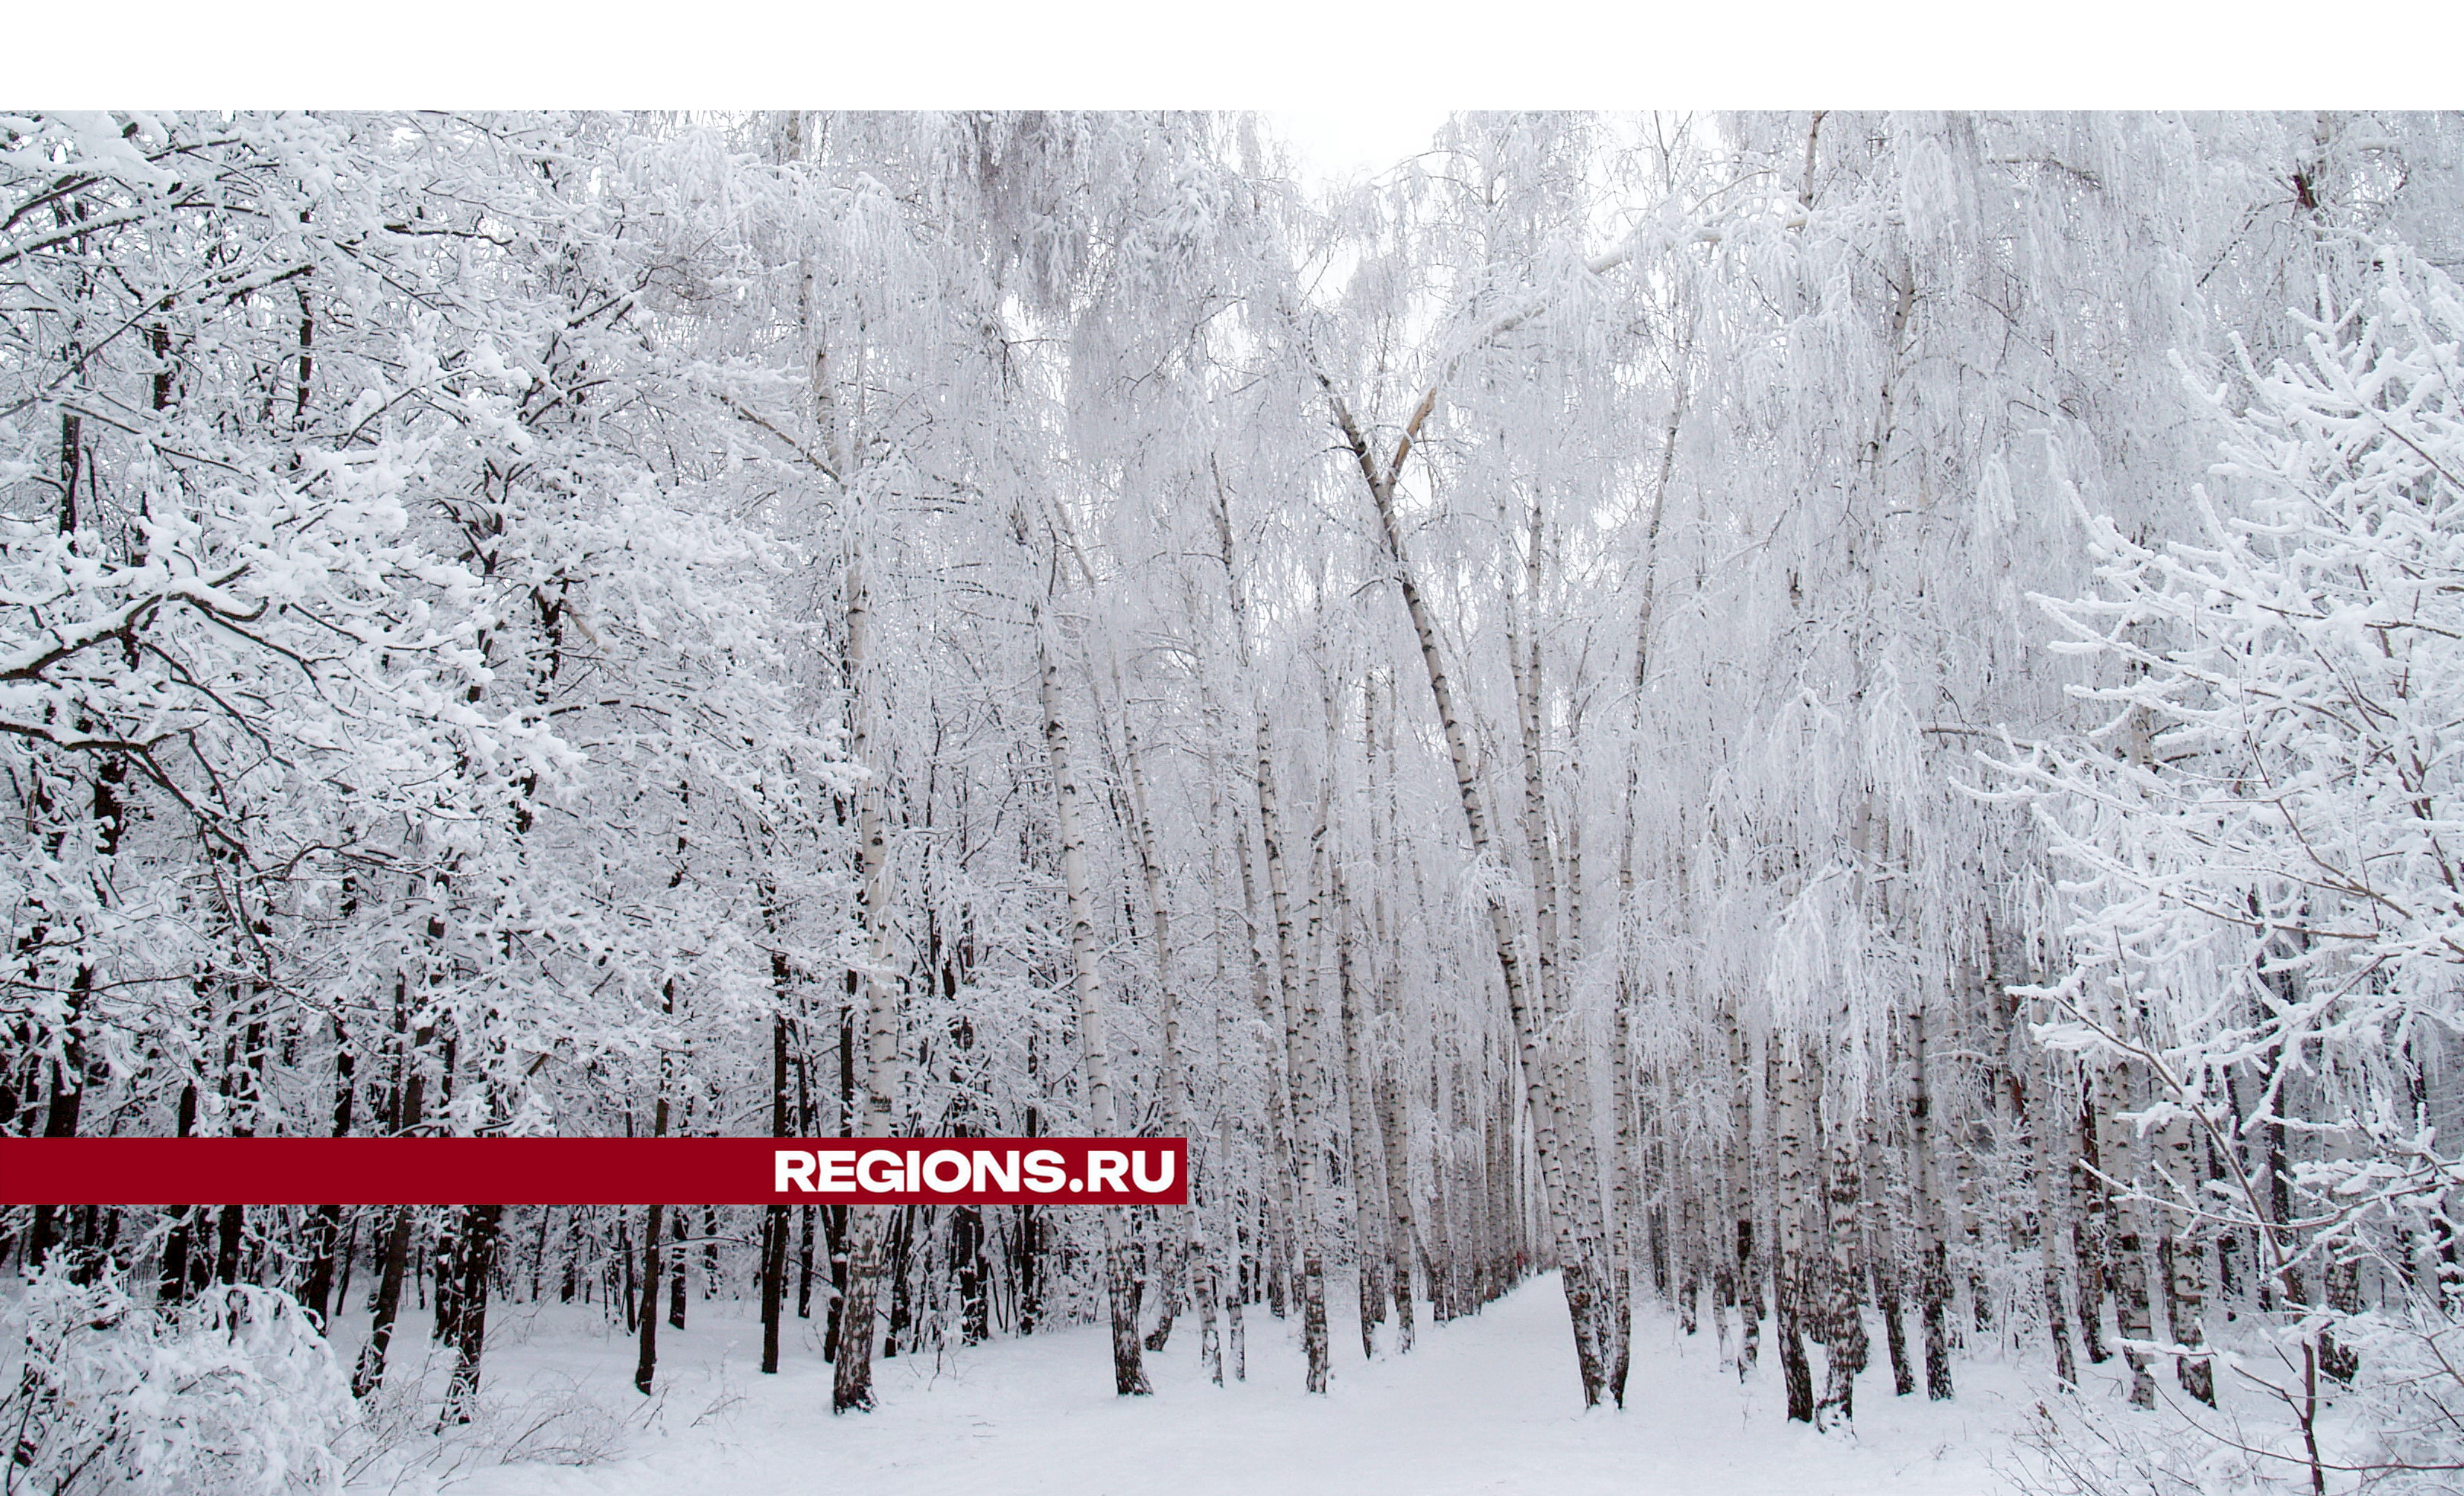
x=594, y=1171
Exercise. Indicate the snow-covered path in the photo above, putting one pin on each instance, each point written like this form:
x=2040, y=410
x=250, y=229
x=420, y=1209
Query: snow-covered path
x=1485, y=1404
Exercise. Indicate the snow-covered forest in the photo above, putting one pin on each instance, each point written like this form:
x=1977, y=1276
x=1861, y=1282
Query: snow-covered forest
x=1844, y=726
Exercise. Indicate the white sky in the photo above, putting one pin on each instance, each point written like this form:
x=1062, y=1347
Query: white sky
x=1340, y=142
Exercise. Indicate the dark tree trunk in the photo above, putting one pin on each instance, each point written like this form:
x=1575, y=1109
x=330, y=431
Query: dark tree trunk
x=1895, y=1335
x=350, y=1250
x=2131, y=1309
x=676, y=1276
x=445, y=1271
x=967, y=1256
x=774, y=1225
x=805, y=1263
x=177, y=1281
x=1129, y=1369
x=1030, y=1284
x=2091, y=1240
x=645, y=1365
x=370, y=1375
x=1796, y=1370
x=324, y=1228
x=60, y=1120
x=1933, y=1290
x=1846, y=1349
x=479, y=1263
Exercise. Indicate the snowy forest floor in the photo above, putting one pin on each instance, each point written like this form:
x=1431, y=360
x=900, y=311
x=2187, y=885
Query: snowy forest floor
x=1484, y=1404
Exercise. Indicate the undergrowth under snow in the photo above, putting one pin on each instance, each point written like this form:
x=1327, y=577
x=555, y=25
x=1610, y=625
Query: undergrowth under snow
x=1484, y=1404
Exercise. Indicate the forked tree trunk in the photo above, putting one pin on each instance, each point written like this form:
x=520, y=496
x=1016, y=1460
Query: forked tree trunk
x=1574, y=1254
x=1882, y=1255
x=1365, y=1152
x=1270, y=977
x=1569, y=1079
x=1297, y=1005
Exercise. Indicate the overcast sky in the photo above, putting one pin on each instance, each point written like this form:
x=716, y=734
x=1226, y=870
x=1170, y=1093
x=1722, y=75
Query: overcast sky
x=1338, y=143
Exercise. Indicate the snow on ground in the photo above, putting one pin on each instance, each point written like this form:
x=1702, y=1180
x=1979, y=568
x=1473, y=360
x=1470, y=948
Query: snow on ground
x=1484, y=1404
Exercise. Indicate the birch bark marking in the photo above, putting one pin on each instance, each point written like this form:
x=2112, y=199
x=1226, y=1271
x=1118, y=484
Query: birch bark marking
x=1367, y=1156
x=1303, y=1064
x=1569, y=1087
x=1933, y=1257
x=1737, y=1193
x=2092, y=1227
x=1191, y=1240
x=1217, y=1283
x=1882, y=1254
x=1572, y=1255
x=1845, y=1346
x=2048, y=1138
x=1627, y=1120
x=1625, y=1201
x=1367, y=1152
x=1274, y=1249
x=851, y=1375
x=2182, y=1259
x=479, y=1263
x=1383, y=819
x=2129, y=1260
x=1300, y=1075
x=1128, y=1371
x=1792, y=1129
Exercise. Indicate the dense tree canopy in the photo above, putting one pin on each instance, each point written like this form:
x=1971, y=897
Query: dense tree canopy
x=1823, y=717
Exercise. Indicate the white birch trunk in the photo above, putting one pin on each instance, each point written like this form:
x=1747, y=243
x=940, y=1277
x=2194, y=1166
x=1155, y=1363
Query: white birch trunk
x=2127, y=1278
x=1390, y=1100
x=1128, y=1371
x=851, y=1375
x=1304, y=1057
x=1189, y=1244
x=1793, y=1144
x=1933, y=1268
